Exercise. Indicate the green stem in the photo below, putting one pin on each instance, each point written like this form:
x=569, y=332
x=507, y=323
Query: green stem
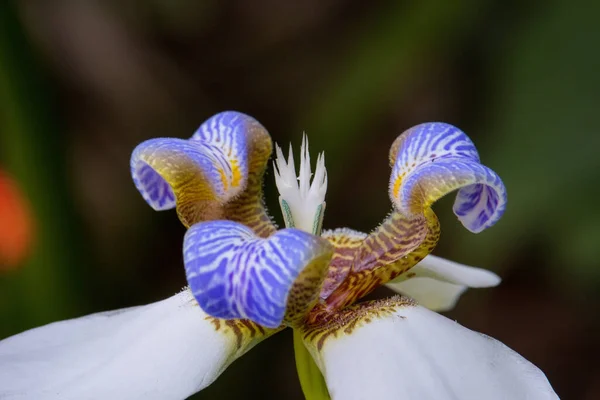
x=311, y=379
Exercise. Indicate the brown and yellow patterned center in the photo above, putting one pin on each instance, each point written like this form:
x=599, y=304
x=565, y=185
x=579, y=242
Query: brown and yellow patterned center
x=346, y=320
x=360, y=265
x=248, y=208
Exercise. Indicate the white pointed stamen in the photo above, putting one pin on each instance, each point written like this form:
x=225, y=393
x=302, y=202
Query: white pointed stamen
x=302, y=195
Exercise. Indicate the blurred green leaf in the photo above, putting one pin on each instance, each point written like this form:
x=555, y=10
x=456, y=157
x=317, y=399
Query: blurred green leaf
x=387, y=53
x=543, y=141
x=31, y=149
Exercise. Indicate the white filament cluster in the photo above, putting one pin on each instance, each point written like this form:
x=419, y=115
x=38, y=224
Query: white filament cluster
x=303, y=196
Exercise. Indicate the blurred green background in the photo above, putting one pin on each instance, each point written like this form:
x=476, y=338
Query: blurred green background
x=83, y=82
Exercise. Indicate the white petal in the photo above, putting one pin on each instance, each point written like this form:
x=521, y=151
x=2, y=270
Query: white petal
x=430, y=293
x=437, y=283
x=403, y=351
x=164, y=350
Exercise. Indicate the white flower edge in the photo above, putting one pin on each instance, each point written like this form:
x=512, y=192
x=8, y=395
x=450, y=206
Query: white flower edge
x=164, y=350
x=417, y=354
x=437, y=283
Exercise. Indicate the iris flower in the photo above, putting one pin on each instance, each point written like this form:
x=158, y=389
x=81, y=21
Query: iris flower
x=248, y=281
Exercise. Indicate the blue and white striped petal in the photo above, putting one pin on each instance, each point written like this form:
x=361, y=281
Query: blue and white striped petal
x=235, y=274
x=200, y=175
x=430, y=160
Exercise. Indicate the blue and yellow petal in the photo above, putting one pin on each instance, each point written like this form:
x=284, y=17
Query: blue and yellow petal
x=216, y=174
x=428, y=161
x=235, y=274
x=433, y=159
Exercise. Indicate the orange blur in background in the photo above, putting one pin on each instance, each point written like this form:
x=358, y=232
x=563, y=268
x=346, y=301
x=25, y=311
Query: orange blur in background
x=16, y=226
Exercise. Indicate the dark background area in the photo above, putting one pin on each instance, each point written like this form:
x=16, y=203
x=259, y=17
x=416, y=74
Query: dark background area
x=83, y=82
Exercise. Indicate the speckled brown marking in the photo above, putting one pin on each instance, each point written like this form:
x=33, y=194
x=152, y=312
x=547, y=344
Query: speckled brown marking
x=345, y=242
x=350, y=318
x=244, y=331
x=304, y=292
x=376, y=264
x=237, y=331
x=216, y=322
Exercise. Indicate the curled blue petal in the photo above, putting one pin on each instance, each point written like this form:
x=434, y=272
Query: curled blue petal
x=163, y=168
x=153, y=188
x=230, y=131
x=433, y=159
x=209, y=169
x=235, y=274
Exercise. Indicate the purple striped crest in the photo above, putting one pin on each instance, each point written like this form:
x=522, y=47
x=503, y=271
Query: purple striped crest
x=235, y=274
x=201, y=174
x=433, y=159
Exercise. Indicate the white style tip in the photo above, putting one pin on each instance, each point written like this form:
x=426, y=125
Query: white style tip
x=302, y=195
